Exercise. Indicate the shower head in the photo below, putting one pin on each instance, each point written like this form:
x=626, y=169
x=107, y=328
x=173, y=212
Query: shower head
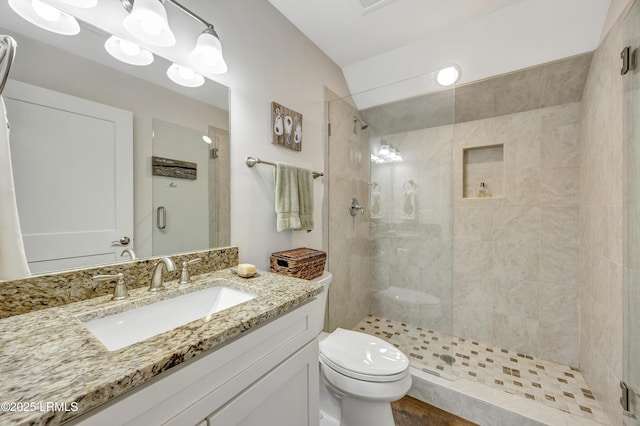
x=363, y=125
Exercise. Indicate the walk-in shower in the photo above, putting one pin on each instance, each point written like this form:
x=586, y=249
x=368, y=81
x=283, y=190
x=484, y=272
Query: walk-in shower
x=466, y=285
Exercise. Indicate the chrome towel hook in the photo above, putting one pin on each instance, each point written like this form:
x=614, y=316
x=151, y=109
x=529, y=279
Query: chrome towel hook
x=354, y=206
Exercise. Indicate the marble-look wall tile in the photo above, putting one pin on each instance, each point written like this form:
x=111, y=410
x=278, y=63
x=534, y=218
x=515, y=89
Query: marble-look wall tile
x=560, y=137
x=522, y=299
x=533, y=234
x=559, y=264
x=559, y=186
x=348, y=237
x=601, y=218
x=544, y=86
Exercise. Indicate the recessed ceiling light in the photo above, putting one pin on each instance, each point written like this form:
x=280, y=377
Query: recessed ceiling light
x=448, y=75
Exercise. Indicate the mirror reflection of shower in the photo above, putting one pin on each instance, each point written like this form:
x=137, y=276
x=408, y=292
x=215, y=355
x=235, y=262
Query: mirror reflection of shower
x=357, y=121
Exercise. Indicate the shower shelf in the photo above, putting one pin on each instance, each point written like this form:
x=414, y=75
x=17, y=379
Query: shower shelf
x=483, y=164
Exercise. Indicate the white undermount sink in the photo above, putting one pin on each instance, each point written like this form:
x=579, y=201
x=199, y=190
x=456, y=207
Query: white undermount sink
x=123, y=329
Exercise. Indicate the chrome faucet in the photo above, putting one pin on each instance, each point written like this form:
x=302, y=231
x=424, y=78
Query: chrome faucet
x=156, y=273
x=130, y=252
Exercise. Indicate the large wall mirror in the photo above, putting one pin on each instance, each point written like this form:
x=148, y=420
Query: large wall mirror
x=108, y=104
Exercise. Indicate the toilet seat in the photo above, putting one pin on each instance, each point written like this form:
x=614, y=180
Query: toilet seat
x=342, y=385
x=363, y=357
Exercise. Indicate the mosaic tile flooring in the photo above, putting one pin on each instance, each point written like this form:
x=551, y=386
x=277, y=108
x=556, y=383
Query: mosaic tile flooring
x=555, y=385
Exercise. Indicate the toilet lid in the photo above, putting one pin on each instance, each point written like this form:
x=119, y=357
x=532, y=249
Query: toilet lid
x=362, y=356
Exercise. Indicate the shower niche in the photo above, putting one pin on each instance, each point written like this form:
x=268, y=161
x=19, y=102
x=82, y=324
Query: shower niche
x=483, y=171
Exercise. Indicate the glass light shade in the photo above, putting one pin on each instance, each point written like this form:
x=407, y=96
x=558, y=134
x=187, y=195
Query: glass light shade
x=85, y=4
x=207, y=139
x=128, y=52
x=206, y=56
x=45, y=16
x=184, y=76
x=148, y=23
x=448, y=75
x=384, y=150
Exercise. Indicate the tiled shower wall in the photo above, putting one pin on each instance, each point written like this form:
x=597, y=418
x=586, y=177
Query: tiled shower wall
x=509, y=276
x=505, y=269
x=516, y=254
x=347, y=236
x=601, y=225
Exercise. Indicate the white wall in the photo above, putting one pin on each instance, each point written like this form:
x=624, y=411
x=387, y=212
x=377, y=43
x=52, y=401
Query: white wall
x=269, y=60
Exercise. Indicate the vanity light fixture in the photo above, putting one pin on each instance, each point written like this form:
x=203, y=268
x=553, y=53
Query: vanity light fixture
x=207, y=53
x=148, y=22
x=386, y=154
x=85, y=4
x=184, y=76
x=128, y=52
x=448, y=75
x=45, y=16
x=207, y=139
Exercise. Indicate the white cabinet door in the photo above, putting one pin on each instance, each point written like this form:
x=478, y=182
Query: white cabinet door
x=73, y=171
x=287, y=396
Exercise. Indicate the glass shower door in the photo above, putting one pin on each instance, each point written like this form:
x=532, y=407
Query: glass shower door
x=408, y=201
x=631, y=304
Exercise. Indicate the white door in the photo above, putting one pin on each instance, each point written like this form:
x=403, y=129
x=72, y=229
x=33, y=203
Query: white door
x=73, y=171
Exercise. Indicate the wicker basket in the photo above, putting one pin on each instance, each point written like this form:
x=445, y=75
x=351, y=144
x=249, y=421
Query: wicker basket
x=302, y=263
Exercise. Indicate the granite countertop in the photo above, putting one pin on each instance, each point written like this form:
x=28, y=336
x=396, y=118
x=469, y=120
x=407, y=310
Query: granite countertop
x=47, y=357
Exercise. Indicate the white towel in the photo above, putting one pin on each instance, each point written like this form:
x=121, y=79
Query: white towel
x=376, y=202
x=294, y=198
x=409, y=207
x=13, y=262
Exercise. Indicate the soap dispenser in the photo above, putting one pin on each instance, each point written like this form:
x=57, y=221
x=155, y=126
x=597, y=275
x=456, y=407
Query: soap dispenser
x=483, y=192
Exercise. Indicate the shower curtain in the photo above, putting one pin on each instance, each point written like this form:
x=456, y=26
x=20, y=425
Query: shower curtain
x=13, y=262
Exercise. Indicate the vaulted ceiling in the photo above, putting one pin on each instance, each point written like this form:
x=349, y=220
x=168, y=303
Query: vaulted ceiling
x=381, y=42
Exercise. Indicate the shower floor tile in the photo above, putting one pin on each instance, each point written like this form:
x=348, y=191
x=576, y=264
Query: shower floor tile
x=555, y=385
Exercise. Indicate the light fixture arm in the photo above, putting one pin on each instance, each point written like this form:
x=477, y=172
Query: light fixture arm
x=190, y=13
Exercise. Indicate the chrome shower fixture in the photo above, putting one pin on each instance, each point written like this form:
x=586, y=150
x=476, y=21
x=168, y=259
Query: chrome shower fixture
x=363, y=125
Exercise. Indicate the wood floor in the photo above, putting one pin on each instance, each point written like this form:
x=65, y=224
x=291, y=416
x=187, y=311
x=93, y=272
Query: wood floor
x=411, y=412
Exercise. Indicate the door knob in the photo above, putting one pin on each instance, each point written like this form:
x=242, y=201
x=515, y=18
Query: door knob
x=124, y=241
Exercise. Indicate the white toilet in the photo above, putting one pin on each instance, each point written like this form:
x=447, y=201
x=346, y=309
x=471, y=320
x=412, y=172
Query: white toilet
x=360, y=375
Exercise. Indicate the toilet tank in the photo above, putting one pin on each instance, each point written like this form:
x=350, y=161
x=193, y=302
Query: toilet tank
x=321, y=299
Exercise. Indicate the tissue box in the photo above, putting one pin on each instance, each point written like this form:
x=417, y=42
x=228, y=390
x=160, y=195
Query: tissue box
x=302, y=263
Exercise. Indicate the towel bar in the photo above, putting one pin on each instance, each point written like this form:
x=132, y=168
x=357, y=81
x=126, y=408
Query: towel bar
x=252, y=161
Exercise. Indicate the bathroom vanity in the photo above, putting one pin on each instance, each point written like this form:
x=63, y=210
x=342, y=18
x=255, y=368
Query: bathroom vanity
x=253, y=363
